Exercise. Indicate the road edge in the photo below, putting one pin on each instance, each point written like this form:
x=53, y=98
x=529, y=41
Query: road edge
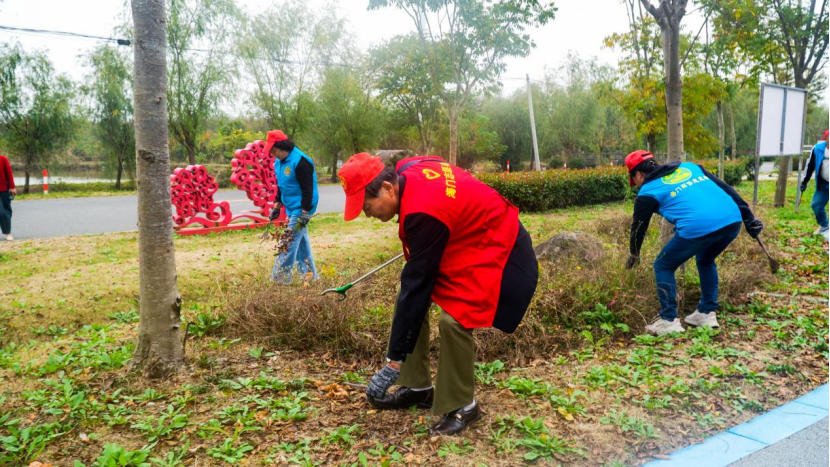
x=747, y=438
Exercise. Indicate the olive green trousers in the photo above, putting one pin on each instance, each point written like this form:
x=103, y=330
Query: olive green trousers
x=455, y=381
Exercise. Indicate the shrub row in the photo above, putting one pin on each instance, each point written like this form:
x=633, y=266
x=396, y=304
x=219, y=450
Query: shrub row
x=551, y=189
x=733, y=170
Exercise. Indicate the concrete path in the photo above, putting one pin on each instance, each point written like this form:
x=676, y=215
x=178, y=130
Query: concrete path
x=82, y=216
x=807, y=448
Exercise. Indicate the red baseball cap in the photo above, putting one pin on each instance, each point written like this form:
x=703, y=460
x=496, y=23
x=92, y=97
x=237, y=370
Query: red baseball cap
x=355, y=175
x=273, y=137
x=633, y=160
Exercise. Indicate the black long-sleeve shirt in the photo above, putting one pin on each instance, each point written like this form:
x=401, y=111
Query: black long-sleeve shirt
x=305, y=177
x=646, y=206
x=427, y=238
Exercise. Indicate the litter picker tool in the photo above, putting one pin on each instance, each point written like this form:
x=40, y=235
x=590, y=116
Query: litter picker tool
x=342, y=289
x=773, y=263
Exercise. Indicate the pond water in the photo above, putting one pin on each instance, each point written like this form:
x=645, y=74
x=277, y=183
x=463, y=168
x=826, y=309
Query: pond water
x=65, y=176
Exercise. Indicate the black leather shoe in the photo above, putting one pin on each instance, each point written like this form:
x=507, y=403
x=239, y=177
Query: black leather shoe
x=404, y=398
x=453, y=422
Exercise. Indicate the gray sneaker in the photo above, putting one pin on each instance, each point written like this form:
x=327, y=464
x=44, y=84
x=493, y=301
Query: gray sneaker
x=702, y=319
x=662, y=327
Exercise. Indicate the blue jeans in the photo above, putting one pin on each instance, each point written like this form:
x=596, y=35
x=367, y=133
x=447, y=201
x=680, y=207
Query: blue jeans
x=299, y=253
x=819, y=203
x=679, y=250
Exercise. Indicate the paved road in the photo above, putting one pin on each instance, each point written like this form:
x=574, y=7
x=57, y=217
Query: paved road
x=807, y=448
x=82, y=216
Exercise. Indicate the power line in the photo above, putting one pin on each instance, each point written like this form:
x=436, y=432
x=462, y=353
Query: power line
x=65, y=34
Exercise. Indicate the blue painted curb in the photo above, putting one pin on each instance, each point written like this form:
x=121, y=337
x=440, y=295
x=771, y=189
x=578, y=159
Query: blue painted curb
x=754, y=435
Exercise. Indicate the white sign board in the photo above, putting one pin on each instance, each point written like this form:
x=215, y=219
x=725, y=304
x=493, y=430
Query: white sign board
x=781, y=120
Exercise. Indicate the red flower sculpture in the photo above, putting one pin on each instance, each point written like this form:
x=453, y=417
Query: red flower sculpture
x=192, y=191
x=253, y=172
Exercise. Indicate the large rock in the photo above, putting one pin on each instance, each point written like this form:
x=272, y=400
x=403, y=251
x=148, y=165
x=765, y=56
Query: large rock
x=575, y=245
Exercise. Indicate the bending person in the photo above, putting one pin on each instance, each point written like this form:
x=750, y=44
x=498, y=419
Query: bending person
x=707, y=215
x=466, y=251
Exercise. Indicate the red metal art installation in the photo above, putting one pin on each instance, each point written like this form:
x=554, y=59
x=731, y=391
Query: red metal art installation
x=253, y=172
x=192, y=190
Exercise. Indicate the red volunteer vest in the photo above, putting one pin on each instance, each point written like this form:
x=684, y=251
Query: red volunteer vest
x=483, y=228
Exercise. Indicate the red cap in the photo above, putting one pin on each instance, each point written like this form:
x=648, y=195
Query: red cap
x=825, y=134
x=273, y=137
x=355, y=175
x=633, y=160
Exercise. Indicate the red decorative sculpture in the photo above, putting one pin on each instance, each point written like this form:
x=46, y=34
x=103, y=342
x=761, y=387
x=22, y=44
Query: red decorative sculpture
x=192, y=190
x=253, y=172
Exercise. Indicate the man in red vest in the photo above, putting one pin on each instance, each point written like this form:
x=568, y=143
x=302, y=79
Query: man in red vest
x=466, y=251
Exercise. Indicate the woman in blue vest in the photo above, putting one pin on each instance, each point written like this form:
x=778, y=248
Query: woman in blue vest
x=297, y=193
x=707, y=215
x=819, y=163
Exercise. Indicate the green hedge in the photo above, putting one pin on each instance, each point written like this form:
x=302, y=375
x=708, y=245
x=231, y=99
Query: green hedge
x=541, y=191
x=734, y=170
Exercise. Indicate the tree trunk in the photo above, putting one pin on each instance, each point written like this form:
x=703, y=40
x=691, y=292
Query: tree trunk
x=120, y=170
x=453, y=116
x=720, y=140
x=781, y=184
x=26, y=183
x=734, y=137
x=334, y=178
x=651, y=142
x=191, y=155
x=159, y=352
x=674, y=94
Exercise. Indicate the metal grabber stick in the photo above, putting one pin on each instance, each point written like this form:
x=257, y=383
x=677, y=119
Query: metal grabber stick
x=342, y=289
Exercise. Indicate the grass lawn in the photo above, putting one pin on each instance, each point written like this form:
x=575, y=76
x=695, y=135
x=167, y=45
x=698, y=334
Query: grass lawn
x=269, y=368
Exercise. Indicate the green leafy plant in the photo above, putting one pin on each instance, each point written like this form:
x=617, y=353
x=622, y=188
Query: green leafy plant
x=205, y=324
x=125, y=317
x=526, y=387
x=114, y=455
x=452, y=448
x=485, y=372
x=22, y=445
x=161, y=426
x=229, y=451
x=343, y=435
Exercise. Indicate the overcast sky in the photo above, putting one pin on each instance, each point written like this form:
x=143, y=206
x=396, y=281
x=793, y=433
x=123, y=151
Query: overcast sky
x=580, y=26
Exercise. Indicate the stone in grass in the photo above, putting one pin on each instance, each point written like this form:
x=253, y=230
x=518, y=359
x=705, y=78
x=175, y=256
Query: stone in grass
x=572, y=245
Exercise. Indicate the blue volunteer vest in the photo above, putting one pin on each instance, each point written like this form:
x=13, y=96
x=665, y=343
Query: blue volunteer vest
x=290, y=193
x=692, y=202
x=819, y=149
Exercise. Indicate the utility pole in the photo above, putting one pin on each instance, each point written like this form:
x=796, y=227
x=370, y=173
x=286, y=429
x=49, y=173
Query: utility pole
x=536, y=165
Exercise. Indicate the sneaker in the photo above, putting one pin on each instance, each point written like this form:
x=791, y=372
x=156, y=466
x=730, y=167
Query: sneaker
x=9, y=237
x=818, y=231
x=660, y=327
x=825, y=233
x=702, y=319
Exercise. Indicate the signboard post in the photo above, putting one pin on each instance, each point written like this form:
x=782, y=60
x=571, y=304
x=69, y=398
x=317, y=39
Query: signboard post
x=782, y=111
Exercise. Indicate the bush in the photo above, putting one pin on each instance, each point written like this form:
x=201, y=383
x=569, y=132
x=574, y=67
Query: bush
x=542, y=191
x=733, y=170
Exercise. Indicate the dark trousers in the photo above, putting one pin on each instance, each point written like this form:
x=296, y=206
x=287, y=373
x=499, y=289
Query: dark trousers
x=5, y=212
x=679, y=250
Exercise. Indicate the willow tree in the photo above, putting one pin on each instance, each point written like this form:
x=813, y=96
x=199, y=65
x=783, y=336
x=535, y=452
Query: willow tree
x=159, y=352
